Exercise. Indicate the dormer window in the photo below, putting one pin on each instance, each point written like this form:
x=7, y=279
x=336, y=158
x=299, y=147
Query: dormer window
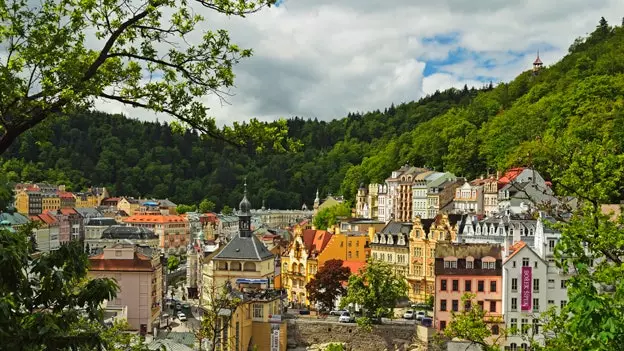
x=376, y=239
x=531, y=232
x=488, y=263
x=478, y=229
x=492, y=229
x=450, y=263
x=390, y=240
x=401, y=240
x=469, y=262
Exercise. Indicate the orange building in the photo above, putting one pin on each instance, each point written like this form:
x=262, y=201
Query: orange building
x=173, y=231
x=347, y=246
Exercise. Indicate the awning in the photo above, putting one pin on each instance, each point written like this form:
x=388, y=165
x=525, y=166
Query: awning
x=251, y=281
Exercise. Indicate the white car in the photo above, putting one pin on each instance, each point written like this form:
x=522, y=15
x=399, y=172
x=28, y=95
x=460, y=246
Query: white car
x=181, y=316
x=408, y=314
x=346, y=317
x=420, y=315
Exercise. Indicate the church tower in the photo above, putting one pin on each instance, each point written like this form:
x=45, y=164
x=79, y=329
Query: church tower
x=537, y=64
x=244, y=216
x=317, y=202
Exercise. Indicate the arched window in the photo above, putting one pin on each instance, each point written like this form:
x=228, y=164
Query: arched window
x=249, y=267
x=301, y=269
x=235, y=266
x=524, y=347
x=495, y=330
x=513, y=347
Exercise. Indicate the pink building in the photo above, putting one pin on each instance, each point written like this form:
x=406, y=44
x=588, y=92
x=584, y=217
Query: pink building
x=138, y=273
x=468, y=268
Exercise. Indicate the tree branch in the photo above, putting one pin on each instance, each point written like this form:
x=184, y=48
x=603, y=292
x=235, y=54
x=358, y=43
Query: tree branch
x=183, y=118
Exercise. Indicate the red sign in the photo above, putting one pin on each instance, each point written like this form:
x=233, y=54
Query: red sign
x=526, y=293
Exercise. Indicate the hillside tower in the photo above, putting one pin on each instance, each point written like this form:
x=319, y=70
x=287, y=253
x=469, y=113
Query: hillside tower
x=537, y=64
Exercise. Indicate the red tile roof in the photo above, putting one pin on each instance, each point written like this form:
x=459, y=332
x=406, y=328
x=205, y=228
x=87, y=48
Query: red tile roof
x=155, y=219
x=68, y=211
x=510, y=175
x=140, y=263
x=316, y=240
x=514, y=249
x=354, y=266
x=45, y=218
x=65, y=194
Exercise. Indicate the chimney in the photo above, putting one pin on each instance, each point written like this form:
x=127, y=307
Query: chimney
x=498, y=175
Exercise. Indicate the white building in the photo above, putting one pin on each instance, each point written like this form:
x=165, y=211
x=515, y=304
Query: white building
x=532, y=283
x=419, y=192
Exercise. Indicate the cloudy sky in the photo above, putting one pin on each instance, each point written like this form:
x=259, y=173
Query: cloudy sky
x=324, y=58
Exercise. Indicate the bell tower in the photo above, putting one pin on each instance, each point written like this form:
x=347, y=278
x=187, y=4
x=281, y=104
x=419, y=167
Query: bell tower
x=244, y=216
x=537, y=64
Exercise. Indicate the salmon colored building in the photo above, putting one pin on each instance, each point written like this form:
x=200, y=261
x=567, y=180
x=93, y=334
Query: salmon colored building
x=468, y=268
x=173, y=231
x=346, y=246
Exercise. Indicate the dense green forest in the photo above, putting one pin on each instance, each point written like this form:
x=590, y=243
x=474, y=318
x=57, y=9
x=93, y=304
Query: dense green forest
x=465, y=131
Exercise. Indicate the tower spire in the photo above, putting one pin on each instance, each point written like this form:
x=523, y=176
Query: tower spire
x=537, y=64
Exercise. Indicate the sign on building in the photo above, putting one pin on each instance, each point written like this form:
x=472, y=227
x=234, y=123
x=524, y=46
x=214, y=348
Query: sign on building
x=275, y=338
x=525, y=297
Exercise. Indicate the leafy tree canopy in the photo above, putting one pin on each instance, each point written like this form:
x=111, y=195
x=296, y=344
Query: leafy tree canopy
x=377, y=289
x=157, y=55
x=327, y=217
x=227, y=210
x=182, y=209
x=326, y=286
x=46, y=300
x=206, y=206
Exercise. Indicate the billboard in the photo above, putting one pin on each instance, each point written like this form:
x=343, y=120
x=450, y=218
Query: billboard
x=526, y=292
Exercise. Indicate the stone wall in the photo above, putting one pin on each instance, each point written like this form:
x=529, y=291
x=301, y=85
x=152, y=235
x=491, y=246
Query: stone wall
x=382, y=337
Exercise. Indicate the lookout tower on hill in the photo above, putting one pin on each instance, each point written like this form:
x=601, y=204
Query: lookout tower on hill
x=537, y=64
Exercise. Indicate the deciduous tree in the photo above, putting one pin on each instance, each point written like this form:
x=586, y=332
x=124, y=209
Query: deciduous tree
x=62, y=56
x=471, y=324
x=46, y=300
x=182, y=209
x=227, y=210
x=206, y=206
x=329, y=216
x=377, y=289
x=217, y=312
x=327, y=283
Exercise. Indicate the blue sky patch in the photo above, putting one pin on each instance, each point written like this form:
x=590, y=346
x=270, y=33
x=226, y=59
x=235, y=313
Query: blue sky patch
x=278, y=3
x=443, y=39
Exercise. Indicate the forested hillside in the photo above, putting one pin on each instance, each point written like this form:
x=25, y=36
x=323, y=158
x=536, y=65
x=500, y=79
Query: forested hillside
x=465, y=131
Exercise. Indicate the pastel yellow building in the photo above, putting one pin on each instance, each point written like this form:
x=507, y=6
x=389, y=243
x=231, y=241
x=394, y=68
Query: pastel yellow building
x=424, y=236
x=346, y=246
x=300, y=263
x=247, y=268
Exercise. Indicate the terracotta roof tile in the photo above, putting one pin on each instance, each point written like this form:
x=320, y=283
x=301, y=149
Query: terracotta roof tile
x=140, y=263
x=510, y=175
x=514, y=249
x=155, y=219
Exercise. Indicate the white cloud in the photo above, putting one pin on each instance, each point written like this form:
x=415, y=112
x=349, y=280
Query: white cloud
x=325, y=58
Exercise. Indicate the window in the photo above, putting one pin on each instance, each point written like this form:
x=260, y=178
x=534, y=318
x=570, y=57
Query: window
x=349, y=254
x=551, y=302
x=536, y=285
x=468, y=285
x=535, y=305
x=258, y=310
x=535, y=264
x=480, y=303
x=442, y=305
x=493, y=286
x=418, y=252
x=513, y=264
x=455, y=305
x=481, y=286
x=525, y=262
x=443, y=285
x=418, y=270
x=357, y=254
x=450, y=264
x=524, y=327
x=118, y=253
x=564, y=284
x=495, y=330
x=492, y=306
x=442, y=325
x=455, y=285
x=514, y=284
x=551, y=283
x=563, y=303
x=513, y=325
x=469, y=264
x=536, y=326
x=467, y=305
x=551, y=245
x=488, y=265
x=514, y=303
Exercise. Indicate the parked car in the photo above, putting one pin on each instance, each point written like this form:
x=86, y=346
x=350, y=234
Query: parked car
x=346, y=317
x=181, y=316
x=409, y=314
x=337, y=312
x=304, y=312
x=420, y=315
x=427, y=322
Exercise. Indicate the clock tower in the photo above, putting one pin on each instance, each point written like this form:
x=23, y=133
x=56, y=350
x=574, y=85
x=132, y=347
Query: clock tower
x=244, y=216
